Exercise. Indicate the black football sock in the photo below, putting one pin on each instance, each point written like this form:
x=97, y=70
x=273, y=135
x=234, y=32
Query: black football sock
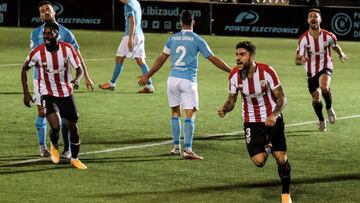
x=328, y=99
x=54, y=136
x=75, y=148
x=285, y=175
x=318, y=110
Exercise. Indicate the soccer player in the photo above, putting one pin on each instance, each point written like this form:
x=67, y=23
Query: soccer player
x=313, y=51
x=132, y=46
x=263, y=100
x=47, y=14
x=54, y=59
x=183, y=48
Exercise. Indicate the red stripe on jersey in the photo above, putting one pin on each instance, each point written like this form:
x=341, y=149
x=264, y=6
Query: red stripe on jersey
x=309, y=55
x=57, y=75
x=254, y=101
x=73, y=52
x=44, y=67
x=246, y=109
x=317, y=54
x=264, y=90
x=325, y=50
x=272, y=74
x=34, y=51
x=66, y=66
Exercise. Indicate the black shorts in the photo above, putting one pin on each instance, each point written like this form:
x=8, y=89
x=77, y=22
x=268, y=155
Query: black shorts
x=64, y=105
x=257, y=135
x=313, y=83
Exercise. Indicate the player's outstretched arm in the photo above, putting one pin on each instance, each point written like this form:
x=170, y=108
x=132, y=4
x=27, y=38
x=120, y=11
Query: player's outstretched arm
x=24, y=74
x=219, y=63
x=340, y=52
x=159, y=62
x=228, y=106
x=88, y=82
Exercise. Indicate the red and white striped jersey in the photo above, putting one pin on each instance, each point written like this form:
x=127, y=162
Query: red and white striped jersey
x=54, y=73
x=256, y=92
x=317, y=50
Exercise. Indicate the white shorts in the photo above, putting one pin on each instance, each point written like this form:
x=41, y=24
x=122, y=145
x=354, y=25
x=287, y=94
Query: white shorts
x=182, y=92
x=37, y=95
x=138, y=49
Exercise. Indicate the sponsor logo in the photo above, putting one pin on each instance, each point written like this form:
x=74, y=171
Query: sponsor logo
x=247, y=22
x=59, y=8
x=341, y=24
x=247, y=17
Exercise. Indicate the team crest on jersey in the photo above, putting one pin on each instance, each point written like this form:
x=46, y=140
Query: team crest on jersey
x=65, y=61
x=263, y=83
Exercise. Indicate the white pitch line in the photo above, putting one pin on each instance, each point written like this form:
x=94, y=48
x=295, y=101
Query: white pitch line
x=20, y=64
x=170, y=141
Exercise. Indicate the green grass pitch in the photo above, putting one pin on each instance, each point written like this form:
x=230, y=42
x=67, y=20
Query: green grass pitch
x=116, y=128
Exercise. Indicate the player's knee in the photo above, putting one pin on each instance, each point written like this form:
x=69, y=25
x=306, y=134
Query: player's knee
x=119, y=59
x=259, y=162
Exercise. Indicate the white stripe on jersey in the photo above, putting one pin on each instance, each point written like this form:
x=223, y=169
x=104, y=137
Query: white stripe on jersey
x=317, y=50
x=55, y=80
x=258, y=101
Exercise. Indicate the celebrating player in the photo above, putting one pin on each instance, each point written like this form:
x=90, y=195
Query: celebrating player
x=313, y=51
x=263, y=100
x=55, y=86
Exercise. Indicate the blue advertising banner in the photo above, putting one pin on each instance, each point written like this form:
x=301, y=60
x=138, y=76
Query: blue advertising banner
x=164, y=16
x=8, y=13
x=259, y=20
x=72, y=14
x=344, y=23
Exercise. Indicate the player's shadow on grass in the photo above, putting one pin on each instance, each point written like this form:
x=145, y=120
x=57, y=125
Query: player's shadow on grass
x=301, y=133
x=130, y=141
x=17, y=170
x=221, y=137
x=132, y=159
x=239, y=186
x=17, y=157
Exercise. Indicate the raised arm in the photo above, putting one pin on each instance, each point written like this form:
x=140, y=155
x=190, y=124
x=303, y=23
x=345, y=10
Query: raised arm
x=219, y=63
x=157, y=65
x=228, y=106
x=280, y=105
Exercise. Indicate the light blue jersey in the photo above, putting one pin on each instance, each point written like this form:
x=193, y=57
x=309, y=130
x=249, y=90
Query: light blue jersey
x=37, y=39
x=183, y=48
x=133, y=8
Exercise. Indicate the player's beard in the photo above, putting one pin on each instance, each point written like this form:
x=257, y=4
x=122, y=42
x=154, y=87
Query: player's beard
x=245, y=70
x=52, y=45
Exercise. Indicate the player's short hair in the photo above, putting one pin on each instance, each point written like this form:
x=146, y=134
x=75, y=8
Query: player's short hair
x=41, y=3
x=248, y=46
x=52, y=25
x=314, y=10
x=186, y=17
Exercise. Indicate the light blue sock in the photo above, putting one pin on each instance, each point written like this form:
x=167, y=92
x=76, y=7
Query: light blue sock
x=40, y=125
x=176, y=129
x=189, y=127
x=117, y=72
x=145, y=69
